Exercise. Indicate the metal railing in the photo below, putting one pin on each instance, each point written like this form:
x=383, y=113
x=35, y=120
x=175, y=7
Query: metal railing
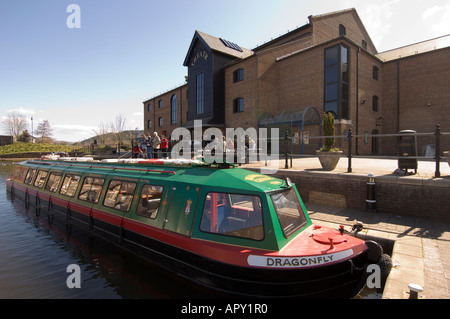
x=349, y=138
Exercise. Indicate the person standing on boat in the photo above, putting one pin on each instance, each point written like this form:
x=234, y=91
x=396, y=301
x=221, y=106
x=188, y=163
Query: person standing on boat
x=156, y=142
x=148, y=141
x=164, y=146
x=143, y=145
x=229, y=146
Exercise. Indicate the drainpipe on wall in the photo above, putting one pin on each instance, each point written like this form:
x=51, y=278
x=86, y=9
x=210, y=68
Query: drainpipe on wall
x=398, y=96
x=357, y=99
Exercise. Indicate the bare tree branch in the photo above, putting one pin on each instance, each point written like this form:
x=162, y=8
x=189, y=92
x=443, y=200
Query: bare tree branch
x=14, y=124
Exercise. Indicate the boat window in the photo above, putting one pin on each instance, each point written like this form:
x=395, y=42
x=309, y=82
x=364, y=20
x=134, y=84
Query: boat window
x=289, y=211
x=91, y=189
x=40, y=179
x=119, y=195
x=20, y=173
x=70, y=185
x=53, y=182
x=233, y=215
x=30, y=176
x=149, y=201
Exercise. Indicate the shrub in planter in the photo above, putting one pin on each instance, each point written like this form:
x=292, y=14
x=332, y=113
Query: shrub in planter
x=329, y=155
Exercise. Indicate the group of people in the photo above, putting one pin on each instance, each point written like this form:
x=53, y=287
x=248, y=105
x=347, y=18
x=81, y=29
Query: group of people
x=148, y=146
x=151, y=146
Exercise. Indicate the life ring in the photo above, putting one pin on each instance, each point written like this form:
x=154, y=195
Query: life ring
x=385, y=264
x=375, y=251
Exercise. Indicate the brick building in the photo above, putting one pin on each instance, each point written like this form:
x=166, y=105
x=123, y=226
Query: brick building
x=327, y=65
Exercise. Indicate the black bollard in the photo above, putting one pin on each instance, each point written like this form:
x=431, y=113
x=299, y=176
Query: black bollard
x=371, y=201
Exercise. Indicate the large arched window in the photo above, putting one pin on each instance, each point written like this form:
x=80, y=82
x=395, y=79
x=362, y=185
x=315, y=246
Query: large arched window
x=173, y=110
x=336, y=86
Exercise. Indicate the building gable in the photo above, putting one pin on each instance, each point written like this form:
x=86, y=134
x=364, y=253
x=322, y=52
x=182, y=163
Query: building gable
x=217, y=45
x=345, y=23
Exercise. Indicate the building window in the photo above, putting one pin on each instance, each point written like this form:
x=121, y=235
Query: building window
x=160, y=103
x=160, y=122
x=149, y=107
x=364, y=44
x=342, y=30
x=375, y=73
x=336, y=86
x=238, y=105
x=200, y=93
x=149, y=124
x=375, y=103
x=238, y=75
x=174, y=110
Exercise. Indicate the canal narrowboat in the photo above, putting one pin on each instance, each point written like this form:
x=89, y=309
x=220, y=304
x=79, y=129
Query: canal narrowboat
x=220, y=226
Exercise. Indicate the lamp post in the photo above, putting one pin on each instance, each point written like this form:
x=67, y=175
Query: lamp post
x=32, y=133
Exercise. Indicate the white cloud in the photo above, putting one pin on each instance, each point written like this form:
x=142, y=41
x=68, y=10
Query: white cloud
x=429, y=12
x=73, y=132
x=22, y=110
x=377, y=19
x=442, y=23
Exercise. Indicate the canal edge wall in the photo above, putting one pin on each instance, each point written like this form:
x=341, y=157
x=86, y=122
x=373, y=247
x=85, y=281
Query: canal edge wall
x=399, y=195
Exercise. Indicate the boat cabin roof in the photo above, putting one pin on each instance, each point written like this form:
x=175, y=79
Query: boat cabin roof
x=222, y=175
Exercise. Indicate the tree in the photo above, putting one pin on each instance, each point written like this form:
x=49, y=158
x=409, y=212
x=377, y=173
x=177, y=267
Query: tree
x=119, y=127
x=24, y=137
x=102, y=131
x=14, y=124
x=44, y=130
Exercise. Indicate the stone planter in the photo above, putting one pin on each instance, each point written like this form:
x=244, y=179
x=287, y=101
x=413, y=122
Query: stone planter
x=447, y=157
x=329, y=160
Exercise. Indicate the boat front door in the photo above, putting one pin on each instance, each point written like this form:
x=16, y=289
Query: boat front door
x=181, y=209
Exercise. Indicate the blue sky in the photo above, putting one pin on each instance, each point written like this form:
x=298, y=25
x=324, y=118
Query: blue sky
x=128, y=51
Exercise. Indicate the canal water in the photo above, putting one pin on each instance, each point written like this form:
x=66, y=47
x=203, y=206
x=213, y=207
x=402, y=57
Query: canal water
x=35, y=256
